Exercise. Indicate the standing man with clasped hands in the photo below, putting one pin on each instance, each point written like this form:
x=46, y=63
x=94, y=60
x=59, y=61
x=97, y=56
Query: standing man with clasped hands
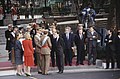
x=68, y=38
x=59, y=50
x=92, y=37
x=110, y=49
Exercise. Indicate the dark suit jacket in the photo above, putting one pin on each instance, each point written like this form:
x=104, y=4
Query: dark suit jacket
x=53, y=40
x=68, y=43
x=7, y=36
x=117, y=43
x=59, y=46
x=79, y=42
x=92, y=42
x=33, y=33
x=12, y=40
x=110, y=45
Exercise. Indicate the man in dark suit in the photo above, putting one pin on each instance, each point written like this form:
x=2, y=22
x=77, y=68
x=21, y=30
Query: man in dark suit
x=33, y=33
x=79, y=42
x=59, y=49
x=53, y=40
x=92, y=37
x=12, y=43
x=110, y=49
x=7, y=36
x=117, y=46
x=68, y=38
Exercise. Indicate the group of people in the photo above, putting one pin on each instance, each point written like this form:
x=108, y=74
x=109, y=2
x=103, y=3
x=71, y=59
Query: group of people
x=15, y=13
x=23, y=45
x=36, y=45
x=112, y=41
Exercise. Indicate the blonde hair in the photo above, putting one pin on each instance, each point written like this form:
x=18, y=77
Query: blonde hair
x=27, y=36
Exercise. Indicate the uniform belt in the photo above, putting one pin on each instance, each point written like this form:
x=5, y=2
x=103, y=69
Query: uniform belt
x=45, y=46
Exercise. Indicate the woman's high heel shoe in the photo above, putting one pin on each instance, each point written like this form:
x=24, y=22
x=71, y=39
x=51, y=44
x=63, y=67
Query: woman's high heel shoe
x=27, y=74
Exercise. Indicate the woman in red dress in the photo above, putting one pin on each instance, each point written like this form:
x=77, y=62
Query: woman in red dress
x=28, y=53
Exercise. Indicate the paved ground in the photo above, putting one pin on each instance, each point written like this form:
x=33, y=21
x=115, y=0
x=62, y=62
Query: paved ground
x=3, y=54
x=110, y=74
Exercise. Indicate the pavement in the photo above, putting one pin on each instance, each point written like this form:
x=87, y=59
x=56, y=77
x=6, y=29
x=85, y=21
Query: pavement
x=67, y=69
x=80, y=73
x=7, y=69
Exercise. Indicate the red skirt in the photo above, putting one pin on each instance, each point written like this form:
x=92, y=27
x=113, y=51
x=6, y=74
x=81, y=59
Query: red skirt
x=29, y=60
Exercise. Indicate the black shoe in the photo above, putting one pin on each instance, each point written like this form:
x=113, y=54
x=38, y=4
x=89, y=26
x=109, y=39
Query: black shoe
x=89, y=64
x=70, y=64
x=77, y=64
x=27, y=74
x=94, y=63
x=39, y=72
x=53, y=65
x=9, y=59
x=60, y=72
x=18, y=74
x=81, y=63
x=106, y=68
x=45, y=74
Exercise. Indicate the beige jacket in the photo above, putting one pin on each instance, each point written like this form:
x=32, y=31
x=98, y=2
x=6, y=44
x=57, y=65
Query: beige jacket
x=46, y=48
x=37, y=43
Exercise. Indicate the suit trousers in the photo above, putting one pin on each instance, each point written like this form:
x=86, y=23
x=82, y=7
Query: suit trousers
x=53, y=57
x=60, y=61
x=118, y=60
x=45, y=63
x=38, y=59
x=68, y=56
x=14, y=22
x=110, y=57
x=92, y=55
x=35, y=57
x=80, y=56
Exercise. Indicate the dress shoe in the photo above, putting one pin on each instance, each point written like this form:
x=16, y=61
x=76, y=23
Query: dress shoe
x=81, y=64
x=70, y=64
x=89, y=64
x=106, y=68
x=77, y=64
x=53, y=65
x=45, y=74
x=60, y=72
x=94, y=63
x=27, y=74
x=18, y=74
x=39, y=72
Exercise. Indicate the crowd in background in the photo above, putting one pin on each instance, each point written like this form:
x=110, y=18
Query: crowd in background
x=15, y=13
x=41, y=44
